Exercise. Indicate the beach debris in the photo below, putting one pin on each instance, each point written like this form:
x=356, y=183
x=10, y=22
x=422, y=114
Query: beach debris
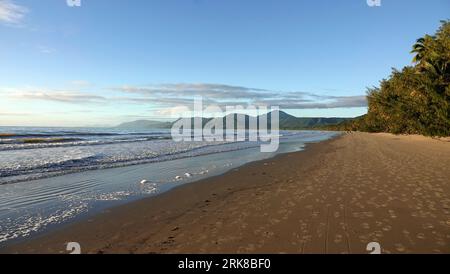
x=143, y=182
x=149, y=189
x=178, y=178
x=187, y=174
x=203, y=172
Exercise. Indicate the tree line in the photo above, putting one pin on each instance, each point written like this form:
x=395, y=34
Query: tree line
x=416, y=99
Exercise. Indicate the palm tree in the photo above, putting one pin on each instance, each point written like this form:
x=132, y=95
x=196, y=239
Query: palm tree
x=428, y=56
x=419, y=50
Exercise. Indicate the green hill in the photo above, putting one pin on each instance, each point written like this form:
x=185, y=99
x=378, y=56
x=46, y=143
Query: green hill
x=287, y=121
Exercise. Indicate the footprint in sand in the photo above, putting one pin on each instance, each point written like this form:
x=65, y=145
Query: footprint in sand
x=338, y=238
x=392, y=214
x=363, y=238
x=378, y=234
x=274, y=221
x=421, y=236
x=268, y=234
x=400, y=248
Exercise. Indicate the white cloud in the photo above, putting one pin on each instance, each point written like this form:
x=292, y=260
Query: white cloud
x=62, y=96
x=172, y=99
x=217, y=91
x=170, y=95
x=3, y=113
x=174, y=112
x=11, y=13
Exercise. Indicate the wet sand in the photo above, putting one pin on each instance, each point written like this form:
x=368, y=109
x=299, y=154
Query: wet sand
x=335, y=197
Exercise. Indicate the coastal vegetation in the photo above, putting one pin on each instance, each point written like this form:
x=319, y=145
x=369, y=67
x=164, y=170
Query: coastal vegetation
x=415, y=99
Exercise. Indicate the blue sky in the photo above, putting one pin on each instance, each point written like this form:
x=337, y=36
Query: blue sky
x=110, y=61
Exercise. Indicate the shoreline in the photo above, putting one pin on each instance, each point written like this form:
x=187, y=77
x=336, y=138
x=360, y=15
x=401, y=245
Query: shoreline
x=88, y=218
x=123, y=183
x=299, y=202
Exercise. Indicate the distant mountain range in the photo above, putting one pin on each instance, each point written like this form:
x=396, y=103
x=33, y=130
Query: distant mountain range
x=287, y=121
x=145, y=124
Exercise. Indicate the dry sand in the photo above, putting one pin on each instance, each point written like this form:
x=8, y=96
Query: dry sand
x=335, y=197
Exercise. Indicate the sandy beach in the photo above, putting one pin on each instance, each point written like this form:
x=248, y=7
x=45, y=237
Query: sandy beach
x=334, y=197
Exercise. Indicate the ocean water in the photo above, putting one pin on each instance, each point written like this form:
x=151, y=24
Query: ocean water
x=35, y=153
x=53, y=176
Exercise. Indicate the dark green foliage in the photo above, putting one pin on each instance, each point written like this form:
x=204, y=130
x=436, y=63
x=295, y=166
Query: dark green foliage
x=415, y=100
